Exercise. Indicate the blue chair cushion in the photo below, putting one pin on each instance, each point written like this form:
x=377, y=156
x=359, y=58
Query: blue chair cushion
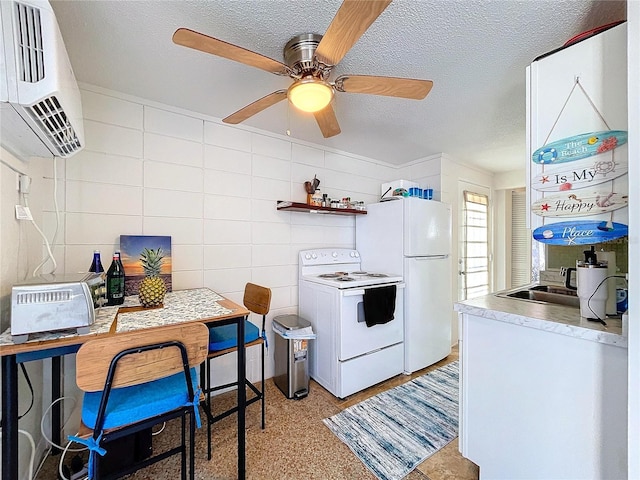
x=225, y=336
x=132, y=404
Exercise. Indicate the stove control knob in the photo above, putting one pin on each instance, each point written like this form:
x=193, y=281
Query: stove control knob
x=352, y=254
x=334, y=254
x=356, y=254
x=314, y=256
x=307, y=257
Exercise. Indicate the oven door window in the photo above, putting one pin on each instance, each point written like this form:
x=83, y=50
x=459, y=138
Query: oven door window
x=358, y=339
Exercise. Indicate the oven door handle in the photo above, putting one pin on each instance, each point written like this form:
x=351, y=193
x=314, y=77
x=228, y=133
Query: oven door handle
x=353, y=293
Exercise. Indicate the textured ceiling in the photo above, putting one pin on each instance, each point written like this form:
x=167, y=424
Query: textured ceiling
x=475, y=51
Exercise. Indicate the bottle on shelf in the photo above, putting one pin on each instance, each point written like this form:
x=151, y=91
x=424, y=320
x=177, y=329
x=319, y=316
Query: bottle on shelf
x=115, y=281
x=317, y=198
x=96, y=264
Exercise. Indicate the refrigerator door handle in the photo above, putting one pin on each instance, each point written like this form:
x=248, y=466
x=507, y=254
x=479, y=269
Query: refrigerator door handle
x=431, y=257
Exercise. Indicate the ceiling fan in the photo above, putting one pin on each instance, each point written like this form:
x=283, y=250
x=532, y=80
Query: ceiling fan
x=310, y=58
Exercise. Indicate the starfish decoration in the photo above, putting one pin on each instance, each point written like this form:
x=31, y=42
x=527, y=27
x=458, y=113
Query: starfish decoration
x=545, y=179
x=545, y=207
x=571, y=241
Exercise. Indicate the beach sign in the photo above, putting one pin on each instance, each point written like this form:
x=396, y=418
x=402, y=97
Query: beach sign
x=579, y=146
x=579, y=204
x=579, y=175
x=579, y=232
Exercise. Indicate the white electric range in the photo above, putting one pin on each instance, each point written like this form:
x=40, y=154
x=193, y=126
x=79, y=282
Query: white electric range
x=347, y=355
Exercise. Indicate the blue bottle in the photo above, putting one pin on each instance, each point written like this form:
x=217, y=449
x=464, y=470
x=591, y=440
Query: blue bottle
x=96, y=264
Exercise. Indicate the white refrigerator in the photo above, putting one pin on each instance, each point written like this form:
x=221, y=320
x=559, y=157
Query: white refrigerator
x=412, y=236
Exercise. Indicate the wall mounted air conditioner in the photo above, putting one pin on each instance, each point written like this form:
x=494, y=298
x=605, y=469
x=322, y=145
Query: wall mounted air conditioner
x=40, y=106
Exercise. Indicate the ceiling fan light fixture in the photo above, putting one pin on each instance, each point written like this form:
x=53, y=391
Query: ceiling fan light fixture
x=310, y=94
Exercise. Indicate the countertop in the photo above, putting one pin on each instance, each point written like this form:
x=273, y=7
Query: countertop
x=553, y=318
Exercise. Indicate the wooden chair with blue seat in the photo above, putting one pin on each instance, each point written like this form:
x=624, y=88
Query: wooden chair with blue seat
x=223, y=340
x=135, y=380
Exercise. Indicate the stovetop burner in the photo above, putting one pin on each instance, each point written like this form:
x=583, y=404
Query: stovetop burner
x=344, y=276
x=340, y=269
x=330, y=275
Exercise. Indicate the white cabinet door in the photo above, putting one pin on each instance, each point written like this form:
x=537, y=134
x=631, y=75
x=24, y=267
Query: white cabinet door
x=599, y=63
x=541, y=405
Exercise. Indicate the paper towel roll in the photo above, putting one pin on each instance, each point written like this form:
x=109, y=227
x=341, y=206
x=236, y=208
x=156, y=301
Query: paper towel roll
x=610, y=258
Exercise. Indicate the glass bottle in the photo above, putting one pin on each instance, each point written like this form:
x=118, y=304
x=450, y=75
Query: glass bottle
x=317, y=198
x=117, y=252
x=115, y=281
x=96, y=264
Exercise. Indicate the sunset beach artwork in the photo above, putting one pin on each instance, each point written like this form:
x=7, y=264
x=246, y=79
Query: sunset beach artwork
x=131, y=248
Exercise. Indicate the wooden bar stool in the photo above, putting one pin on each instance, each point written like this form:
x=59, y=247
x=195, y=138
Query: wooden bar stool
x=223, y=340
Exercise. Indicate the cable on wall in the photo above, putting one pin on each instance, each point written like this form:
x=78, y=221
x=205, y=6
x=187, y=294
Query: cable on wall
x=25, y=187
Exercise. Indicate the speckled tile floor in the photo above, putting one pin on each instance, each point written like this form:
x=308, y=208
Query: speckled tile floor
x=295, y=443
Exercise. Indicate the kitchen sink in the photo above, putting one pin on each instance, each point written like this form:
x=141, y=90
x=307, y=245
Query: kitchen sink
x=544, y=294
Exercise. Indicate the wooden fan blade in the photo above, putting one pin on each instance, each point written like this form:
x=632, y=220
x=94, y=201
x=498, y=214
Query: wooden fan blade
x=204, y=43
x=353, y=18
x=327, y=121
x=389, y=86
x=256, y=107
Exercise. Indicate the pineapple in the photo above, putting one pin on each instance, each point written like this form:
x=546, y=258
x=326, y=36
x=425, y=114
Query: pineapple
x=152, y=288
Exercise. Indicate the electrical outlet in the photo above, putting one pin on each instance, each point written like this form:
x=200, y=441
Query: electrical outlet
x=23, y=213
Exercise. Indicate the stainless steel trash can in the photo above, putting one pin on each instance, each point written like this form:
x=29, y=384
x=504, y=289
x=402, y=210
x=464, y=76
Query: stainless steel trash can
x=291, y=357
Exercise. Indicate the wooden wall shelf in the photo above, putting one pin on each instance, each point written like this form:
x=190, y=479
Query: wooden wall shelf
x=303, y=207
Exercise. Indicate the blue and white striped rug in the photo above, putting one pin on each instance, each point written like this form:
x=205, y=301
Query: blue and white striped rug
x=396, y=430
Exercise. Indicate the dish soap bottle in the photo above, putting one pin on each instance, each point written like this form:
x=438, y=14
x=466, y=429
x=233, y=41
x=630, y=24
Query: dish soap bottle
x=115, y=281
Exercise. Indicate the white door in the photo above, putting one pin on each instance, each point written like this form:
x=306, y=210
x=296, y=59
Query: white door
x=474, y=260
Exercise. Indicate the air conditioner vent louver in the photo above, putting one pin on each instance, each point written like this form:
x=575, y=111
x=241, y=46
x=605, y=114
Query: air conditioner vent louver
x=53, y=120
x=31, y=53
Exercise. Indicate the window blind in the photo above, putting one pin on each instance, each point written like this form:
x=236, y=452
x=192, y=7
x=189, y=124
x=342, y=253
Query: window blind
x=475, y=245
x=520, y=240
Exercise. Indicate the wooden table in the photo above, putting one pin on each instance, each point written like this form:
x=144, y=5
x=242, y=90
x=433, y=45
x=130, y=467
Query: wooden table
x=194, y=305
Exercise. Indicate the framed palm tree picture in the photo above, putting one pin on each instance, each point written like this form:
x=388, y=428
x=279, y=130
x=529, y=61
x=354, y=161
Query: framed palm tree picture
x=145, y=256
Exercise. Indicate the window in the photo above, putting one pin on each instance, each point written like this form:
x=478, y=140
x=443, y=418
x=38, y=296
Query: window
x=475, y=281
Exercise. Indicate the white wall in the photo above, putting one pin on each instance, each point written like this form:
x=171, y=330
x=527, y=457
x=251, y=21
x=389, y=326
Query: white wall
x=19, y=254
x=150, y=169
x=511, y=179
x=633, y=83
